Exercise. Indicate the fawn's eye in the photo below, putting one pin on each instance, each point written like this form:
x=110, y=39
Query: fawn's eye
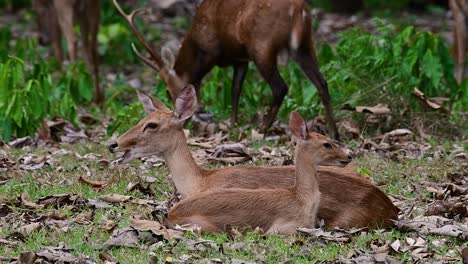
x=327, y=145
x=150, y=126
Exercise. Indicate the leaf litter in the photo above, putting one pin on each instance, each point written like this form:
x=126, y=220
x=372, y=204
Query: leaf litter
x=442, y=215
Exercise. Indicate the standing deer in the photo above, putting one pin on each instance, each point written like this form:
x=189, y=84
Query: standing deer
x=460, y=35
x=347, y=200
x=280, y=210
x=55, y=17
x=234, y=32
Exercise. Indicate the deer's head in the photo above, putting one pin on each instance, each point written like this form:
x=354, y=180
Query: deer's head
x=164, y=64
x=319, y=148
x=160, y=131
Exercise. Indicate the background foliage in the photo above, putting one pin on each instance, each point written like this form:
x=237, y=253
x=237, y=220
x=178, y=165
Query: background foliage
x=362, y=68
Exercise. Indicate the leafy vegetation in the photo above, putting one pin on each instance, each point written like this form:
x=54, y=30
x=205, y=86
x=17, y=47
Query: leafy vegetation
x=361, y=69
x=29, y=93
x=385, y=68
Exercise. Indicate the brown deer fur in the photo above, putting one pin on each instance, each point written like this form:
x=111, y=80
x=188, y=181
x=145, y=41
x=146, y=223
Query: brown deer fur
x=460, y=35
x=348, y=200
x=56, y=16
x=234, y=32
x=279, y=210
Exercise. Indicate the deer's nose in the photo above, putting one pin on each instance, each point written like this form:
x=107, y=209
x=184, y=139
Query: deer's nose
x=350, y=157
x=112, y=147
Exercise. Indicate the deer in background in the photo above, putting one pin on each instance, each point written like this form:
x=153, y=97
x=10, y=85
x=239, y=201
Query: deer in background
x=234, y=32
x=55, y=17
x=460, y=36
x=280, y=210
x=347, y=200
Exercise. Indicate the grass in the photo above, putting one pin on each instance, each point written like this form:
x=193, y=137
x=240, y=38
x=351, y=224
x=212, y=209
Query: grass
x=86, y=240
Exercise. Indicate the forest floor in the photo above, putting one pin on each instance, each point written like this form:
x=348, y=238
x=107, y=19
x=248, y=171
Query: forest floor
x=68, y=201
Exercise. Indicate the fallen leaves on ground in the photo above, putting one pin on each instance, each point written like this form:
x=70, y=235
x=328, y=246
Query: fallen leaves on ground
x=143, y=231
x=97, y=185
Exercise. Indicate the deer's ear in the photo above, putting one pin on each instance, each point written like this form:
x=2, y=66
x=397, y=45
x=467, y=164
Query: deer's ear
x=150, y=104
x=168, y=57
x=298, y=126
x=186, y=103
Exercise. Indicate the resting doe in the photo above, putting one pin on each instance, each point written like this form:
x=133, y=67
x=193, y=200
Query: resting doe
x=348, y=199
x=280, y=210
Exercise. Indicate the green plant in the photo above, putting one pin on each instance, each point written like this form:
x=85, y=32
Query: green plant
x=23, y=98
x=28, y=93
x=364, y=68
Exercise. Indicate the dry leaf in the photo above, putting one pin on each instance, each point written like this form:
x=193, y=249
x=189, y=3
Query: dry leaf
x=379, y=109
x=127, y=237
x=99, y=185
x=156, y=228
x=72, y=136
x=432, y=103
x=256, y=136
x=26, y=202
x=115, y=198
x=22, y=142
x=57, y=255
x=28, y=229
x=108, y=226
x=336, y=236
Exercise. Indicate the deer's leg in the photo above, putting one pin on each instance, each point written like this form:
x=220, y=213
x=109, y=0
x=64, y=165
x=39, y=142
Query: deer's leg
x=308, y=62
x=56, y=36
x=267, y=66
x=460, y=38
x=204, y=63
x=89, y=30
x=240, y=70
x=64, y=10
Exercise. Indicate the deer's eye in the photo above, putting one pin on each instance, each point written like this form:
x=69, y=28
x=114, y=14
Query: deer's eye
x=150, y=126
x=327, y=145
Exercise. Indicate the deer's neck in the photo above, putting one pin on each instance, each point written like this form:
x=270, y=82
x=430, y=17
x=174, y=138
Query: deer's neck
x=185, y=173
x=306, y=184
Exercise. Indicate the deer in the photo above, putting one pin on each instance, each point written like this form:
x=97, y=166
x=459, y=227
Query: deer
x=460, y=36
x=279, y=211
x=55, y=17
x=347, y=198
x=232, y=33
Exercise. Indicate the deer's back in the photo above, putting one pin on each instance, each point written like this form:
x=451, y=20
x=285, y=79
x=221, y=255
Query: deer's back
x=347, y=200
x=240, y=207
x=231, y=27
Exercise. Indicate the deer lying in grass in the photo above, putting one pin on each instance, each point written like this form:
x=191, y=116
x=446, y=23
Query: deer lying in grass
x=233, y=32
x=460, y=36
x=280, y=210
x=348, y=200
x=56, y=16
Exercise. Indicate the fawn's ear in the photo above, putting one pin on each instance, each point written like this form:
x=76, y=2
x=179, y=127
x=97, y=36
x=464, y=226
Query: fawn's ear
x=150, y=103
x=298, y=126
x=168, y=58
x=186, y=103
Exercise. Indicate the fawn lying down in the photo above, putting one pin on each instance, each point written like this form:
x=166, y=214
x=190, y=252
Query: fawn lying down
x=273, y=210
x=348, y=200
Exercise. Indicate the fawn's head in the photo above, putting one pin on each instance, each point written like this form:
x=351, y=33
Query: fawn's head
x=163, y=64
x=159, y=132
x=323, y=150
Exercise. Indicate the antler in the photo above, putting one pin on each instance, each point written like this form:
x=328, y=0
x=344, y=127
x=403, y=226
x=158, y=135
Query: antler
x=158, y=63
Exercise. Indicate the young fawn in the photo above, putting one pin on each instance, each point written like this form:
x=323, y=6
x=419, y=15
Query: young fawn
x=273, y=210
x=56, y=16
x=348, y=200
x=234, y=32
